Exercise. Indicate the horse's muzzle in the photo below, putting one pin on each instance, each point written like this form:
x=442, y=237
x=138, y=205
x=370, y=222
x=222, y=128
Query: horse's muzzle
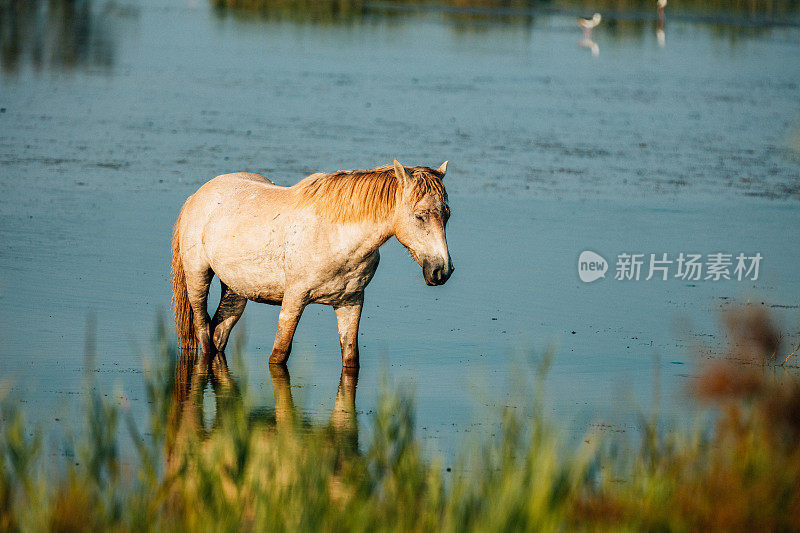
x=436, y=274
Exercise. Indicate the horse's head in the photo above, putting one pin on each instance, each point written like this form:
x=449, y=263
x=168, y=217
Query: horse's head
x=421, y=219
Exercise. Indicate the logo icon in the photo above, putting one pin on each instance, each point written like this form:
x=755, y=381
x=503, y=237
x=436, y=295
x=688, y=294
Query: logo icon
x=591, y=266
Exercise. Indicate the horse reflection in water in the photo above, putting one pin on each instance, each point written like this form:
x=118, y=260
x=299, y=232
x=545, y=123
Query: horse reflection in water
x=193, y=376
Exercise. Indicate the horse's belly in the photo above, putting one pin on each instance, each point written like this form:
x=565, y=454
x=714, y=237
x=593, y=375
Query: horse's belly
x=250, y=265
x=259, y=281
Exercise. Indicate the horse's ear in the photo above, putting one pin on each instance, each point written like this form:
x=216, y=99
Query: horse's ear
x=442, y=169
x=400, y=173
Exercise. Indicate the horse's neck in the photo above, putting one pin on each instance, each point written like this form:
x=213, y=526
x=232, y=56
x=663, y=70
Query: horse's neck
x=366, y=237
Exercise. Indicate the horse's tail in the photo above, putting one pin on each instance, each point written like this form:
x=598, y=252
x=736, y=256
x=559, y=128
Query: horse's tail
x=184, y=316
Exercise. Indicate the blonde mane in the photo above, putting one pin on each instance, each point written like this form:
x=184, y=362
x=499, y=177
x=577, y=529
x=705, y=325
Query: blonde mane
x=365, y=195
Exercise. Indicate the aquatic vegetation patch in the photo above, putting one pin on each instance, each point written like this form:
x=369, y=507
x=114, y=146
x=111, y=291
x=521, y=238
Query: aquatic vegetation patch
x=278, y=472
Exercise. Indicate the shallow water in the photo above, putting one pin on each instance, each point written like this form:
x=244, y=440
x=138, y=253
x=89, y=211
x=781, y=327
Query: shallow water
x=111, y=117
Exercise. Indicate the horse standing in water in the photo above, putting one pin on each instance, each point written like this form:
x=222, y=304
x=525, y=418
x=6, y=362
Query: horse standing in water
x=314, y=242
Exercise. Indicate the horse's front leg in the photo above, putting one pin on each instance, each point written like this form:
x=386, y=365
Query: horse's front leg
x=348, y=316
x=291, y=309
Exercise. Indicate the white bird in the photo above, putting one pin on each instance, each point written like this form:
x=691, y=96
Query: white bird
x=589, y=24
x=660, y=5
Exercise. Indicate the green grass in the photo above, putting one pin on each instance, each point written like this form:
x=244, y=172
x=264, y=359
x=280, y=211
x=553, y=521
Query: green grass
x=331, y=10
x=732, y=20
x=278, y=472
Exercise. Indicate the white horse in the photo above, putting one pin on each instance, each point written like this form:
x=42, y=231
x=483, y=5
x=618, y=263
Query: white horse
x=314, y=242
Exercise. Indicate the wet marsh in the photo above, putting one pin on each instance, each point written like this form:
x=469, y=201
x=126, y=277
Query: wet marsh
x=112, y=113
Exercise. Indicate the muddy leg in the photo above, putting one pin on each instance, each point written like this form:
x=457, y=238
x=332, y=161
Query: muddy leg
x=348, y=316
x=231, y=307
x=197, y=283
x=291, y=309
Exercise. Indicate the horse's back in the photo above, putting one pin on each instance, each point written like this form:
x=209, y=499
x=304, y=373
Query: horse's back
x=225, y=197
x=235, y=225
x=231, y=189
x=246, y=176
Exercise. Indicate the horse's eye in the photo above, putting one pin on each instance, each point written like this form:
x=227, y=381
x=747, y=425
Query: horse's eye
x=420, y=217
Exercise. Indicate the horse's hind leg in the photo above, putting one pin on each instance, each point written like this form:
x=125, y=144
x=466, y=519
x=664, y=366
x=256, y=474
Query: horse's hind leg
x=231, y=307
x=198, y=281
